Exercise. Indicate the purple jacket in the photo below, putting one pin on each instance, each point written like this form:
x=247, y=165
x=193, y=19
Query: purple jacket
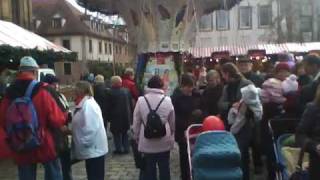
x=165, y=111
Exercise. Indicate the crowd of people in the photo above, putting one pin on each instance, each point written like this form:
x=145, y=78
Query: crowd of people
x=243, y=99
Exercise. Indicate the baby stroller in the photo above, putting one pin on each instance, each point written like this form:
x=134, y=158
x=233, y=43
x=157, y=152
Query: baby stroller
x=280, y=130
x=212, y=154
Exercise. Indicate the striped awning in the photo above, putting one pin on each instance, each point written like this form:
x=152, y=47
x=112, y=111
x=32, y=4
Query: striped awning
x=237, y=50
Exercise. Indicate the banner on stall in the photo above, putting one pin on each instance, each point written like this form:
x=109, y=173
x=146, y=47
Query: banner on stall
x=162, y=65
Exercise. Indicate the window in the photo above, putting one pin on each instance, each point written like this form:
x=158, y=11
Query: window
x=206, y=22
x=222, y=18
x=56, y=23
x=66, y=44
x=306, y=9
x=100, y=47
x=110, y=48
x=105, y=48
x=245, y=17
x=265, y=16
x=67, y=68
x=90, y=46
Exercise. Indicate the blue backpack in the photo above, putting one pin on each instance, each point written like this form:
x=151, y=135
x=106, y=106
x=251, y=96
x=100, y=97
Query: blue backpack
x=22, y=123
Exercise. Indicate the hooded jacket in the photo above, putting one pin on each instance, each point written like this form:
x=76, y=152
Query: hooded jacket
x=49, y=116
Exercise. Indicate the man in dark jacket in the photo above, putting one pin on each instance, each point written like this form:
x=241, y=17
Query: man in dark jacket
x=186, y=102
x=49, y=116
x=312, y=68
x=245, y=67
x=120, y=114
x=211, y=94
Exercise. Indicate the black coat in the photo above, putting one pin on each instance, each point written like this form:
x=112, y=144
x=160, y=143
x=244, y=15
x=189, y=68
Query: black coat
x=308, y=134
x=307, y=94
x=100, y=95
x=184, y=107
x=120, y=108
x=209, y=100
x=255, y=78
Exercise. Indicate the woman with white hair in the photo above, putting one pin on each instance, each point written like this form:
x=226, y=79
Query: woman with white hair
x=88, y=132
x=120, y=115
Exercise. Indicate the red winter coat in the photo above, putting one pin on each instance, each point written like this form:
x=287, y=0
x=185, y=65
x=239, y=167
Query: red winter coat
x=128, y=83
x=49, y=116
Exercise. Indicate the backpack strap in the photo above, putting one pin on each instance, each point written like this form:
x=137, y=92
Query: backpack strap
x=32, y=84
x=149, y=106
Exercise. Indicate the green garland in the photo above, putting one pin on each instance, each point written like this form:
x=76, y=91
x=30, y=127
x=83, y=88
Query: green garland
x=10, y=56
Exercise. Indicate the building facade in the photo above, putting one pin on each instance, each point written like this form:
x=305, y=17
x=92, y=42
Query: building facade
x=92, y=38
x=17, y=11
x=261, y=21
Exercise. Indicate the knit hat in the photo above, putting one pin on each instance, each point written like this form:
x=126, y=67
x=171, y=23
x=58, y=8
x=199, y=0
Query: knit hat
x=282, y=66
x=27, y=63
x=99, y=79
x=290, y=84
x=50, y=78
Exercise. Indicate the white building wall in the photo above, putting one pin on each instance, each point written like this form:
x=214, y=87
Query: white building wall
x=236, y=36
x=76, y=45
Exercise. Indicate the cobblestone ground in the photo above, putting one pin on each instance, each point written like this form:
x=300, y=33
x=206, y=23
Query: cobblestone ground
x=119, y=167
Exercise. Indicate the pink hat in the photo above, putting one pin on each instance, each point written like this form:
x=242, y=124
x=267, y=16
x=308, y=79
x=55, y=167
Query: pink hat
x=282, y=66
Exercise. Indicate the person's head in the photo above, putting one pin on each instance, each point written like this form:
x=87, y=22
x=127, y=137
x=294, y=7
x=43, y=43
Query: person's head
x=230, y=72
x=28, y=65
x=99, y=79
x=187, y=83
x=116, y=81
x=299, y=69
x=245, y=65
x=52, y=80
x=155, y=82
x=129, y=72
x=213, y=78
x=83, y=88
x=311, y=64
x=282, y=71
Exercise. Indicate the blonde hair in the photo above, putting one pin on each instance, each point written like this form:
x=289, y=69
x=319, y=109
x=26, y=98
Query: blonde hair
x=84, y=88
x=115, y=80
x=99, y=78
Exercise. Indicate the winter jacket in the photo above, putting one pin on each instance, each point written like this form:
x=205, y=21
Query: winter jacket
x=308, y=135
x=272, y=91
x=209, y=100
x=250, y=101
x=256, y=79
x=131, y=86
x=100, y=97
x=166, y=113
x=184, y=106
x=307, y=94
x=88, y=132
x=49, y=116
x=230, y=95
x=120, y=110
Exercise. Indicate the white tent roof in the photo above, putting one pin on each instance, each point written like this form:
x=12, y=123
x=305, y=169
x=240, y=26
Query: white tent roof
x=14, y=35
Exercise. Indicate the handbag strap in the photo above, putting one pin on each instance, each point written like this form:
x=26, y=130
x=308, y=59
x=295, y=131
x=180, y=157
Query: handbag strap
x=300, y=160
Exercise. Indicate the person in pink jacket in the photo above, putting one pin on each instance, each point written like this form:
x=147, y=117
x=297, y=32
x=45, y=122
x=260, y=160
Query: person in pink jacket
x=156, y=151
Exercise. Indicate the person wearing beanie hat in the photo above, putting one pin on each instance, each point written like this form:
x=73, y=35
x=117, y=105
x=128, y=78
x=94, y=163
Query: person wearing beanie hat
x=282, y=71
x=49, y=116
x=27, y=63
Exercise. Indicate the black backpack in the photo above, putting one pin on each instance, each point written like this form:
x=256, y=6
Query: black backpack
x=154, y=128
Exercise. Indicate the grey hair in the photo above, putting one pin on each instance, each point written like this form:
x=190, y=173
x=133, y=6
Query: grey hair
x=129, y=71
x=212, y=72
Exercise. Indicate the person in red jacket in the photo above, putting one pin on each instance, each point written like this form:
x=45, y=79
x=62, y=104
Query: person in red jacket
x=49, y=115
x=128, y=82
